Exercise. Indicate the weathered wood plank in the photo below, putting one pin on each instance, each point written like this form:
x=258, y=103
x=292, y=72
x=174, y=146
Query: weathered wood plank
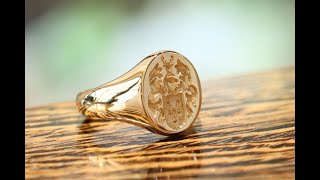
x=245, y=130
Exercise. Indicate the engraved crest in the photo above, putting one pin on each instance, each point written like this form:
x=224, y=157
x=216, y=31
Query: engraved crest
x=172, y=96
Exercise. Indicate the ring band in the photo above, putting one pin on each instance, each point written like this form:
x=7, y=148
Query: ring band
x=161, y=94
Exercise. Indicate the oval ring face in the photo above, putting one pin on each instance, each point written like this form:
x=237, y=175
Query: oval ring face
x=171, y=92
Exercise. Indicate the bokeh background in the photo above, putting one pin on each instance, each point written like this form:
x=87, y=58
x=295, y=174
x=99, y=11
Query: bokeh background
x=74, y=45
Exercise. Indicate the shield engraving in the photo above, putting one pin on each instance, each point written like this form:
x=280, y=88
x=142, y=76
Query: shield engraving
x=172, y=96
x=174, y=110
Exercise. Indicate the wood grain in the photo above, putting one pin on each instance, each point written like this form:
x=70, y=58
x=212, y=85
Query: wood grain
x=245, y=130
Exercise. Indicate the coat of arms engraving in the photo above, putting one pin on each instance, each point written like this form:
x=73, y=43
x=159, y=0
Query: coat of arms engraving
x=172, y=95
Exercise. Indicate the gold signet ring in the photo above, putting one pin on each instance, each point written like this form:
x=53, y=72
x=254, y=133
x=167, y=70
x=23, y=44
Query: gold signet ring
x=161, y=94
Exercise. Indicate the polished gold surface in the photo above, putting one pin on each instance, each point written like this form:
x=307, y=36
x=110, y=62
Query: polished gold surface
x=162, y=94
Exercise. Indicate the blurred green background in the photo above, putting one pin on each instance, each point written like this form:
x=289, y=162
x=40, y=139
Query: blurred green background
x=71, y=46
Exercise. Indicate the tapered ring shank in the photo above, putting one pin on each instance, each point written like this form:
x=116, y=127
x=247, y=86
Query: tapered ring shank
x=162, y=94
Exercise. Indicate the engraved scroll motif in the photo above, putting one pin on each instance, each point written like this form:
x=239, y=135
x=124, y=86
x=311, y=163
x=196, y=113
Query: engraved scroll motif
x=172, y=94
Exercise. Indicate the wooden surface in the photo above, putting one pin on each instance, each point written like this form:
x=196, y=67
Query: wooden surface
x=245, y=130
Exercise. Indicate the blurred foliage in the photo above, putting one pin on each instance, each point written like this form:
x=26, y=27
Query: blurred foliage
x=76, y=45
